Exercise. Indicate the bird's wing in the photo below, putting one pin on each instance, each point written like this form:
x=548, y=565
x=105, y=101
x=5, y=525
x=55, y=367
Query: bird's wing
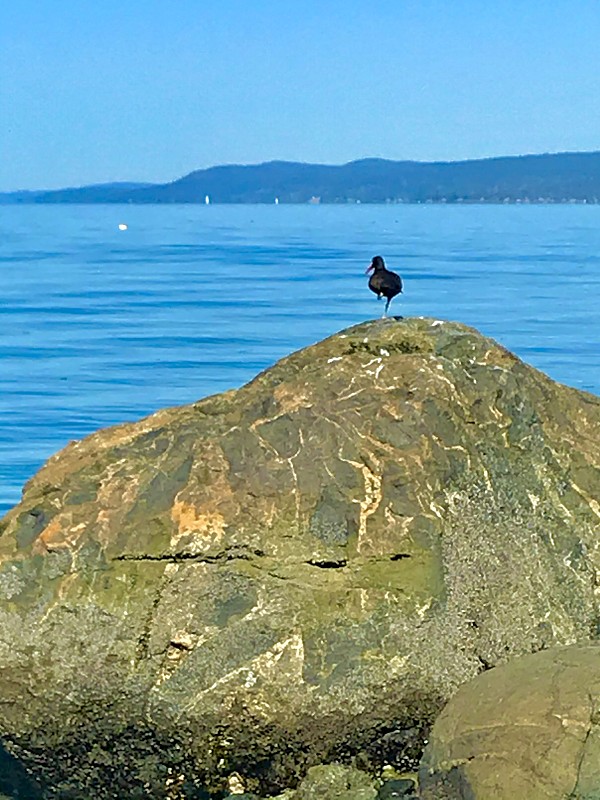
x=398, y=282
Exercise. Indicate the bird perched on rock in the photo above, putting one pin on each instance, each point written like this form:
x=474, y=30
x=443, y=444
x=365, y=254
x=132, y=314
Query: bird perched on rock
x=383, y=281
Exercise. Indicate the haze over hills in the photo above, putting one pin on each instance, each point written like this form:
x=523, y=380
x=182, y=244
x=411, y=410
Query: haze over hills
x=547, y=178
x=46, y=195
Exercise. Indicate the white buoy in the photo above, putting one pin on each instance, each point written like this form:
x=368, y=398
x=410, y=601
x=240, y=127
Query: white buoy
x=122, y=226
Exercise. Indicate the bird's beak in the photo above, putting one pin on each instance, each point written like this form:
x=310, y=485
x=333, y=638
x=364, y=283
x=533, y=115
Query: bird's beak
x=369, y=268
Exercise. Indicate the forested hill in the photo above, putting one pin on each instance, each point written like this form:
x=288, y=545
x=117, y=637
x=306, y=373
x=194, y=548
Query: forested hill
x=555, y=178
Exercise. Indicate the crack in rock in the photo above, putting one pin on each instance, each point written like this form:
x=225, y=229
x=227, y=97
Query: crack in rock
x=203, y=558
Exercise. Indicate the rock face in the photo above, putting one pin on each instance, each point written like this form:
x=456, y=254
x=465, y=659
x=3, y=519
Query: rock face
x=335, y=781
x=527, y=729
x=297, y=572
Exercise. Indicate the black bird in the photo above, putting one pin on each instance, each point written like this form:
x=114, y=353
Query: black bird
x=383, y=281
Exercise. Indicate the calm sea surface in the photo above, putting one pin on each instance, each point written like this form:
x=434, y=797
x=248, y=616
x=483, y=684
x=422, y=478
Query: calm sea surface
x=99, y=326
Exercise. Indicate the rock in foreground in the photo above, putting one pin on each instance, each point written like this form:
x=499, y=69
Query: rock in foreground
x=527, y=729
x=297, y=572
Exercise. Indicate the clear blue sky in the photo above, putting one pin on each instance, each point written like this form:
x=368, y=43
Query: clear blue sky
x=99, y=90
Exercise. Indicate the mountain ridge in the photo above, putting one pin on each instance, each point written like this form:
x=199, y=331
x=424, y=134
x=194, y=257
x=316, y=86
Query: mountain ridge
x=538, y=178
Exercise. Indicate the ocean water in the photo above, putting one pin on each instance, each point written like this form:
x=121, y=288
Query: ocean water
x=99, y=326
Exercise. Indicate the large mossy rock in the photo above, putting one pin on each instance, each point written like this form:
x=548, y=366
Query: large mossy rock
x=300, y=571
x=528, y=729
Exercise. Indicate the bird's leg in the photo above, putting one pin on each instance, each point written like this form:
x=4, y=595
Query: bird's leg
x=387, y=305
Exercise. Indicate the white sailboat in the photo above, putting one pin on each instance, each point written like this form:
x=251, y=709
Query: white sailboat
x=207, y=200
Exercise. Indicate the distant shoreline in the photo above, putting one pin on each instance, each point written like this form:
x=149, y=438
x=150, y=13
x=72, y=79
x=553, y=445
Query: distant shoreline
x=519, y=202
x=547, y=179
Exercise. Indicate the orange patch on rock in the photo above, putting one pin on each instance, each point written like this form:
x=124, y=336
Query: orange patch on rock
x=52, y=536
x=207, y=524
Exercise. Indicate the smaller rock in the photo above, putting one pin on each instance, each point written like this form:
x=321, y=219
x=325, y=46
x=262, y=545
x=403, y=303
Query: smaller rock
x=528, y=729
x=236, y=785
x=244, y=796
x=336, y=782
x=404, y=788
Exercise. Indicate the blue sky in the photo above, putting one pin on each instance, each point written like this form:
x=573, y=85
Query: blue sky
x=149, y=90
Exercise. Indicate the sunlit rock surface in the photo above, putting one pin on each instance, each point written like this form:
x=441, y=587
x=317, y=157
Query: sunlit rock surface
x=297, y=572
